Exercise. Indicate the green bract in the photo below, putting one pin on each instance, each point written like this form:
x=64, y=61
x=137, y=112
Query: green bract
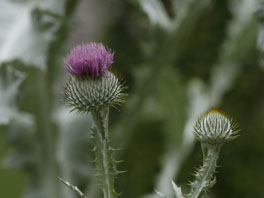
x=93, y=93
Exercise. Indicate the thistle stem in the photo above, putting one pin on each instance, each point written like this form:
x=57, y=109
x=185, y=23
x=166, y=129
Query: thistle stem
x=104, y=162
x=204, y=177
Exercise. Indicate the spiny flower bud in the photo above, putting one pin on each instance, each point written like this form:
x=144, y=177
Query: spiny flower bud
x=214, y=127
x=91, y=86
x=89, y=94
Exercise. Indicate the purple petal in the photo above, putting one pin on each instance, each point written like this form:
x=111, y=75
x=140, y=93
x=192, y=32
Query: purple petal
x=91, y=59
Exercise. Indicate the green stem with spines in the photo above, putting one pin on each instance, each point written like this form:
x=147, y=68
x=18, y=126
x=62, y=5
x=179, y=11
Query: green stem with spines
x=205, y=175
x=106, y=171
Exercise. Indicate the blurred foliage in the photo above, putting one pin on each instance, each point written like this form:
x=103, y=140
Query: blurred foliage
x=178, y=58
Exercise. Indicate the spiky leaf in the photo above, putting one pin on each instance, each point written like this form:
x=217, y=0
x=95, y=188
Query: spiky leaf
x=72, y=187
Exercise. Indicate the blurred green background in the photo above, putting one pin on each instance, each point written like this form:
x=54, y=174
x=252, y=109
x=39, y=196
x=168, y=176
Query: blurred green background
x=179, y=58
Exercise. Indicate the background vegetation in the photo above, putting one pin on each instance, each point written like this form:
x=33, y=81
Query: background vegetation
x=179, y=59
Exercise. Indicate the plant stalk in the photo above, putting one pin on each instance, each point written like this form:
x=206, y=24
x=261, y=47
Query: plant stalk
x=204, y=177
x=47, y=164
x=105, y=165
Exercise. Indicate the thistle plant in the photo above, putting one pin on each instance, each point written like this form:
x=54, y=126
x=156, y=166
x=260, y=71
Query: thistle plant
x=212, y=130
x=92, y=88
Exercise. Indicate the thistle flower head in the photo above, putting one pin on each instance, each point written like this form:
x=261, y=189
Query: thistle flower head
x=91, y=86
x=215, y=127
x=89, y=60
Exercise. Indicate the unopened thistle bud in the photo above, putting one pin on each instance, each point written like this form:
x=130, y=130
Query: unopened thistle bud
x=91, y=86
x=214, y=127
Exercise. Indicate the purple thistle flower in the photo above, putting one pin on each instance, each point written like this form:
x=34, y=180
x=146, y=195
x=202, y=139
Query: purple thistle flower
x=91, y=59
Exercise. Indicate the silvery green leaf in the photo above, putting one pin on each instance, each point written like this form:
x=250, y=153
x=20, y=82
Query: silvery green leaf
x=73, y=146
x=20, y=135
x=160, y=195
x=177, y=190
x=260, y=41
x=156, y=13
x=28, y=27
x=10, y=80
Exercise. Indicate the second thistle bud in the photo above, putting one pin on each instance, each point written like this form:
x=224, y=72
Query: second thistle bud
x=91, y=86
x=214, y=127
